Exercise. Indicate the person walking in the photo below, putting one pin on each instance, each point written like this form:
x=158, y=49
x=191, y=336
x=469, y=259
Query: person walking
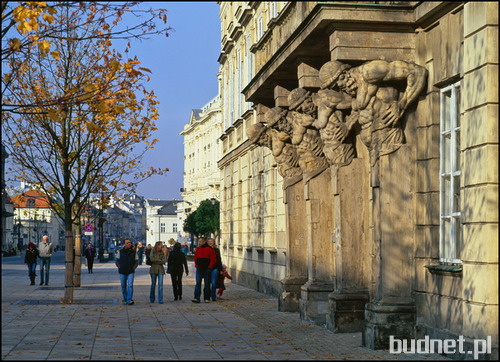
x=176, y=265
x=216, y=269
x=126, y=262
x=220, y=281
x=30, y=260
x=185, y=248
x=204, y=261
x=158, y=257
x=90, y=255
x=140, y=251
x=45, y=254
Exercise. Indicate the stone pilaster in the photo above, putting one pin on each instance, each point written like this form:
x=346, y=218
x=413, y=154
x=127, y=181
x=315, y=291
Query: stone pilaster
x=314, y=294
x=296, y=264
x=391, y=310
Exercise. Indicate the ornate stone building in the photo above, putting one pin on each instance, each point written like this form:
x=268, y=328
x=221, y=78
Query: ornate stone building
x=202, y=150
x=373, y=133
x=253, y=240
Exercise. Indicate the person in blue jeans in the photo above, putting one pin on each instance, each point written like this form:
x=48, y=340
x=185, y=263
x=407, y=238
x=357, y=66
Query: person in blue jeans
x=45, y=254
x=126, y=262
x=216, y=269
x=30, y=260
x=204, y=261
x=158, y=257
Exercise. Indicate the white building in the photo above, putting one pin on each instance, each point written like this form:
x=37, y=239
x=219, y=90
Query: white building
x=162, y=223
x=202, y=151
x=35, y=217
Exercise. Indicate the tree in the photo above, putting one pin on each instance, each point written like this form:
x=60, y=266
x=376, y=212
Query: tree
x=207, y=217
x=190, y=224
x=81, y=120
x=31, y=24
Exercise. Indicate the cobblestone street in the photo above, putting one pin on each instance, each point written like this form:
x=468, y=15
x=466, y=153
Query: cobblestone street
x=243, y=325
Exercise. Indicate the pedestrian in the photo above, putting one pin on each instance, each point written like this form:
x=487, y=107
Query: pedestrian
x=126, y=262
x=185, y=248
x=30, y=260
x=216, y=269
x=140, y=252
x=204, y=261
x=220, y=280
x=147, y=253
x=176, y=265
x=90, y=255
x=46, y=249
x=158, y=257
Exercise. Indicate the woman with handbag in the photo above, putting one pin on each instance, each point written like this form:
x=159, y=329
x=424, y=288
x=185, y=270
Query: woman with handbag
x=158, y=257
x=177, y=263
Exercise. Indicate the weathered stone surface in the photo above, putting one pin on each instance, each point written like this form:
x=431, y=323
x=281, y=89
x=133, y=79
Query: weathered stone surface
x=478, y=14
x=480, y=165
x=479, y=126
x=480, y=243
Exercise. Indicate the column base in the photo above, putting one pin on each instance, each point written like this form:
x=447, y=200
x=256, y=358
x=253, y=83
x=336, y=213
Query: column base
x=288, y=300
x=346, y=310
x=313, y=303
x=396, y=318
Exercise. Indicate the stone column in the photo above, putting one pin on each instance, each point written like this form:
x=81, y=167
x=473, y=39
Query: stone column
x=314, y=294
x=350, y=189
x=391, y=311
x=296, y=261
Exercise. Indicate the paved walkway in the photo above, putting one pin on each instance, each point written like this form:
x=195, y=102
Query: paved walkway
x=244, y=325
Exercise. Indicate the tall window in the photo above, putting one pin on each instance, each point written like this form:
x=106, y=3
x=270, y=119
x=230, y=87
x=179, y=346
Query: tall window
x=174, y=228
x=450, y=228
x=162, y=227
x=249, y=65
x=260, y=27
x=231, y=94
x=239, y=64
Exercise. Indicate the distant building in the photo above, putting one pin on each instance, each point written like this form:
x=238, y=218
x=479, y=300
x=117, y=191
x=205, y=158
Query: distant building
x=202, y=150
x=7, y=208
x=34, y=218
x=162, y=222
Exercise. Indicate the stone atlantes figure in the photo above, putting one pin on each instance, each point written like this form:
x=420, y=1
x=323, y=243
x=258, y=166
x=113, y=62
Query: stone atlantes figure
x=378, y=103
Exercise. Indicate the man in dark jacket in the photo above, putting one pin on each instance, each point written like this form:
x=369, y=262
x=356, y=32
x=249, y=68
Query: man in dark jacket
x=204, y=261
x=126, y=261
x=90, y=255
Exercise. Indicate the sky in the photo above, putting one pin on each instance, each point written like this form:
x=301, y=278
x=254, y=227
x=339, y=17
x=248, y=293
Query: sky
x=184, y=77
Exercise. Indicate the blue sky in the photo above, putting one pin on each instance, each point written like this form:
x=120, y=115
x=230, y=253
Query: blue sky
x=184, y=77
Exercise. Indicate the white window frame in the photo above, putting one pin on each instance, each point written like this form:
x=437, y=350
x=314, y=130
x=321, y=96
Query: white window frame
x=174, y=227
x=449, y=205
x=162, y=227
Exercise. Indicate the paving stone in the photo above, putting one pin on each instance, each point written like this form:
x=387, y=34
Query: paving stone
x=246, y=325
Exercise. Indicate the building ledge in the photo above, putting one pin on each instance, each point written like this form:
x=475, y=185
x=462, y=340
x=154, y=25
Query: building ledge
x=445, y=268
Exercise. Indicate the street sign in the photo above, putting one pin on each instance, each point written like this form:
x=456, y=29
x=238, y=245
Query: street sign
x=88, y=227
x=88, y=233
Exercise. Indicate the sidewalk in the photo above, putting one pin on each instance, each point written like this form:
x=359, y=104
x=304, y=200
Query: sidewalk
x=244, y=325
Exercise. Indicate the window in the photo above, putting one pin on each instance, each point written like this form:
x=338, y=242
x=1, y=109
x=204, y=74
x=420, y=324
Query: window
x=450, y=228
x=174, y=228
x=260, y=27
x=162, y=227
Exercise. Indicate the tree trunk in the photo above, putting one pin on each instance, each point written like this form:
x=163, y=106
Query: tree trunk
x=78, y=256
x=68, y=283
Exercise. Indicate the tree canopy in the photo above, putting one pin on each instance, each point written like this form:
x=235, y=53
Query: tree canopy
x=204, y=220
x=77, y=123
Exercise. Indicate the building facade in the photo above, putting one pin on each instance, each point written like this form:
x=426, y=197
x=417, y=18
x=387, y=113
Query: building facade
x=253, y=236
x=380, y=121
x=202, y=150
x=162, y=221
x=33, y=218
